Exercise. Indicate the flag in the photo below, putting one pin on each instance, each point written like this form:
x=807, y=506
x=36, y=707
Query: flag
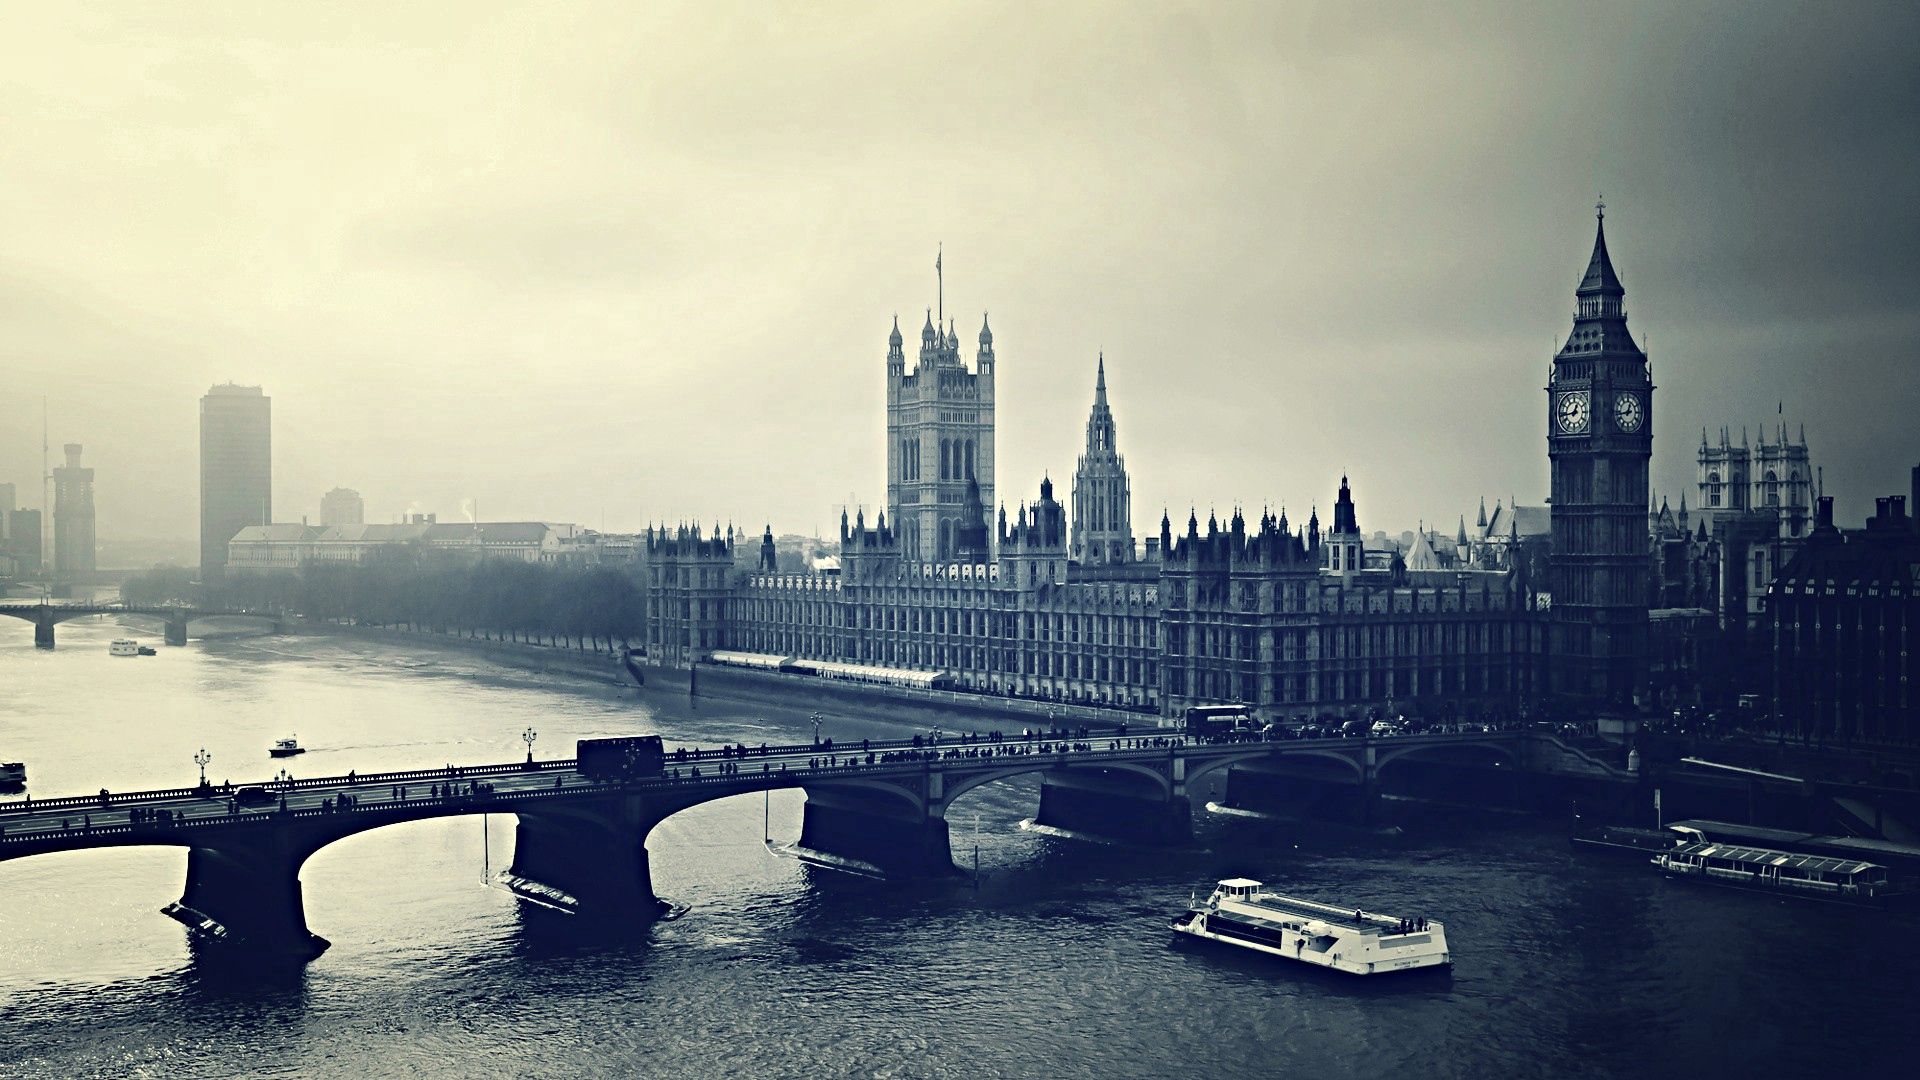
x=936, y=262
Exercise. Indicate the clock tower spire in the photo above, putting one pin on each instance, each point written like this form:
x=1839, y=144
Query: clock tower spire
x=1599, y=446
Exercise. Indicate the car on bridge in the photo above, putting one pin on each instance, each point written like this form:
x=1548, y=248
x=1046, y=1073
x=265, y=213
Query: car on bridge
x=253, y=795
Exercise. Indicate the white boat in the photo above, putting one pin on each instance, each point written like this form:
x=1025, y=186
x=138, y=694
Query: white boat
x=1818, y=876
x=123, y=647
x=1241, y=912
x=286, y=747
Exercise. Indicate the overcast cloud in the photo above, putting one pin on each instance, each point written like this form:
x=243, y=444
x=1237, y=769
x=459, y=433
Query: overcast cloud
x=624, y=262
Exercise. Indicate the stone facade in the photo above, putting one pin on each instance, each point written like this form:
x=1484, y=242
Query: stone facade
x=939, y=442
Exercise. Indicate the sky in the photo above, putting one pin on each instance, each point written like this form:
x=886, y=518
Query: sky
x=620, y=263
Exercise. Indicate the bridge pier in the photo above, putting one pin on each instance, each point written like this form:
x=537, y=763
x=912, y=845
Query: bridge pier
x=586, y=858
x=880, y=829
x=43, y=629
x=1083, y=801
x=245, y=893
x=176, y=632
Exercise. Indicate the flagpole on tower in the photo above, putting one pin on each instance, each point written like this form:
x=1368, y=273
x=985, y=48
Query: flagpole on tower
x=940, y=277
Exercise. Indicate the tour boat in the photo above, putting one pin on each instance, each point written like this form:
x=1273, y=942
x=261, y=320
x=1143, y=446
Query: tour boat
x=1790, y=873
x=287, y=747
x=13, y=774
x=123, y=647
x=1241, y=912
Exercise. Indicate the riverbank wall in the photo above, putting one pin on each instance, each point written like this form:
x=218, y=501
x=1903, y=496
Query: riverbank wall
x=807, y=691
x=594, y=665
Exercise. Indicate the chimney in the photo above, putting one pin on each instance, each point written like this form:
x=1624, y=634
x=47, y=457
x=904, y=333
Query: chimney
x=1897, y=509
x=1823, y=513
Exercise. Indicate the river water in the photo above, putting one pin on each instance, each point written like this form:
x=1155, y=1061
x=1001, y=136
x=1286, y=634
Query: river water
x=1056, y=963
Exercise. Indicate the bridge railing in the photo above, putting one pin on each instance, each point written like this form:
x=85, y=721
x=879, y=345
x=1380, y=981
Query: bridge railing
x=692, y=756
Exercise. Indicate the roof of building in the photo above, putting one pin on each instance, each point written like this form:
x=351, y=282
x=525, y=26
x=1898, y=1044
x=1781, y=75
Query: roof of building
x=1600, y=276
x=489, y=532
x=1528, y=521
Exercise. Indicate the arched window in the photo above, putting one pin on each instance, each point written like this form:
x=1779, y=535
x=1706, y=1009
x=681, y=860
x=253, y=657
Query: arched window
x=1772, y=487
x=1713, y=489
x=969, y=475
x=944, y=460
x=946, y=539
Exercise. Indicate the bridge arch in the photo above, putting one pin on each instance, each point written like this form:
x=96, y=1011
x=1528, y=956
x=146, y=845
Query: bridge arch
x=1159, y=781
x=1468, y=752
x=1350, y=763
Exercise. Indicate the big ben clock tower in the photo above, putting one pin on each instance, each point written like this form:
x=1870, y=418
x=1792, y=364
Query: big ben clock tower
x=1599, y=443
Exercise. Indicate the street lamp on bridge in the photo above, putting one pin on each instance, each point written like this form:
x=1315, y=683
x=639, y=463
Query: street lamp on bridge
x=201, y=760
x=528, y=736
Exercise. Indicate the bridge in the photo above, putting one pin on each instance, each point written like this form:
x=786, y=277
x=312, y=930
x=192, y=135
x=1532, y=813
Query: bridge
x=44, y=615
x=580, y=842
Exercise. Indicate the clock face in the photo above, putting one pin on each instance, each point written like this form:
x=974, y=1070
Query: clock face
x=1571, y=412
x=1626, y=412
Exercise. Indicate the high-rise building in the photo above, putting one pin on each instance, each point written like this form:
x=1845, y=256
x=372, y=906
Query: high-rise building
x=1102, y=496
x=1599, y=444
x=72, y=516
x=24, y=541
x=342, y=506
x=939, y=439
x=236, y=468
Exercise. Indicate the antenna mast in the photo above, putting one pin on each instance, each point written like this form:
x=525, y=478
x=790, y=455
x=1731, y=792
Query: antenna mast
x=46, y=494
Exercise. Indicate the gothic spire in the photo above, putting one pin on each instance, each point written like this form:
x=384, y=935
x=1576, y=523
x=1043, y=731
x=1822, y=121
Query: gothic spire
x=1600, y=279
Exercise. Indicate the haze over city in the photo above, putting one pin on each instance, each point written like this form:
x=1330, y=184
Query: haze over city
x=609, y=264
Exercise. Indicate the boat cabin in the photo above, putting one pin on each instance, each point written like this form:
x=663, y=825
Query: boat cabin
x=1760, y=866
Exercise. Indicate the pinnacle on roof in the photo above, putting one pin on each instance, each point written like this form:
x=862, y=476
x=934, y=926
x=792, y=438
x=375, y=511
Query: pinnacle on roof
x=1100, y=378
x=894, y=338
x=927, y=332
x=1600, y=278
x=986, y=332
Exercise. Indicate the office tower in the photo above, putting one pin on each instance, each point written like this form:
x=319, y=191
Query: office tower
x=236, y=468
x=72, y=517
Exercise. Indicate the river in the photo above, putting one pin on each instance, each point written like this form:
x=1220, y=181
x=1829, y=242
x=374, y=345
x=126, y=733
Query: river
x=1057, y=962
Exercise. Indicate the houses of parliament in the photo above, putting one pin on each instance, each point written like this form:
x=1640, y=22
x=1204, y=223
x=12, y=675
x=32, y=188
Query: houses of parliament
x=946, y=586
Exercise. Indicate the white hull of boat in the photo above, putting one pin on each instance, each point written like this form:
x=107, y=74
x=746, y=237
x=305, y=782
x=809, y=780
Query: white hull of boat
x=1299, y=950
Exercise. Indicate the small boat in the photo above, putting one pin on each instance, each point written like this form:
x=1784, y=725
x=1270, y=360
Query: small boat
x=13, y=775
x=148, y=650
x=286, y=747
x=1241, y=912
x=1628, y=839
x=123, y=647
x=1819, y=877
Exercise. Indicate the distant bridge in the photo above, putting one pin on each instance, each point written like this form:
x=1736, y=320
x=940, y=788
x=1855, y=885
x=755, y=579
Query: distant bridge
x=581, y=841
x=44, y=615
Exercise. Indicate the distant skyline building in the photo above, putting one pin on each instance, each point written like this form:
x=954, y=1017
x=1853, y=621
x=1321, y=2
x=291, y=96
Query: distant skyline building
x=236, y=468
x=73, y=536
x=342, y=506
x=24, y=541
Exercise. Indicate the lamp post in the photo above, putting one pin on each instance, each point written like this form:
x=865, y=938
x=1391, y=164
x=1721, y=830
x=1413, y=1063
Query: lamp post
x=528, y=736
x=201, y=760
